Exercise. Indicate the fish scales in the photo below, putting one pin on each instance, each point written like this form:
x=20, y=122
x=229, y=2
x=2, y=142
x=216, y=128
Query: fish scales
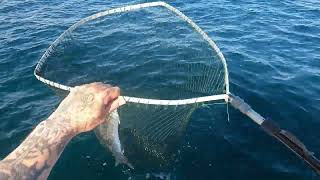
x=108, y=135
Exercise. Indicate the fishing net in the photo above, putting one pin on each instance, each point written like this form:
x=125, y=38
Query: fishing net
x=165, y=65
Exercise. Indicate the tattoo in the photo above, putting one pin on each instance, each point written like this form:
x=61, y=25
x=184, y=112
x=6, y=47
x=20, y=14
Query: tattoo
x=35, y=157
x=86, y=100
x=81, y=111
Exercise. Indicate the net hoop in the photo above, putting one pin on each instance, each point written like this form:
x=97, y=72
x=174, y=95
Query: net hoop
x=128, y=8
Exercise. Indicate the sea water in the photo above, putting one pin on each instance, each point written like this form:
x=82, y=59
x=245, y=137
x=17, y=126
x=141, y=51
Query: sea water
x=273, y=53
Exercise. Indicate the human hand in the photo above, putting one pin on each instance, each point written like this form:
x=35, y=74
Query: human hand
x=87, y=106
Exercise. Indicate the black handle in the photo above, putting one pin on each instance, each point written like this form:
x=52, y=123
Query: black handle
x=285, y=137
x=293, y=143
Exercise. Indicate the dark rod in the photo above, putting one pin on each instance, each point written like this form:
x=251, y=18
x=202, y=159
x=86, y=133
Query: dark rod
x=285, y=137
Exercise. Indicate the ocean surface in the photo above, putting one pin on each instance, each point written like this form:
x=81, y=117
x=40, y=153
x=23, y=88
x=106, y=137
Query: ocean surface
x=273, y=54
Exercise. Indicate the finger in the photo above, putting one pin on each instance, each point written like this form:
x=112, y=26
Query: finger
x=115, y=104
x=101, y=86
x=96, y=86
x=111, y=94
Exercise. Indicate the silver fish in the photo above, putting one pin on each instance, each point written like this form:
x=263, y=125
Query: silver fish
x=108, y=135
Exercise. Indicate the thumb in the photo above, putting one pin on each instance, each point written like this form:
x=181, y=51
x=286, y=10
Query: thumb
x=111, y=94
x=115, y=104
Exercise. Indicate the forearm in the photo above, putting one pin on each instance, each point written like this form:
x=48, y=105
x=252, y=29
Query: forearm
x=82, y=110
x=36, y=156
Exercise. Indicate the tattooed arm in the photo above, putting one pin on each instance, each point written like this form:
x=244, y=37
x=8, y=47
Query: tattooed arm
x=82, y=110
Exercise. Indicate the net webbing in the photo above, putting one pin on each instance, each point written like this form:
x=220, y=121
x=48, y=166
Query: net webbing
x=165, y=65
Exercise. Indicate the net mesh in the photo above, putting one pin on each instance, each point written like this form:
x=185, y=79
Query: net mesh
x=148, y=53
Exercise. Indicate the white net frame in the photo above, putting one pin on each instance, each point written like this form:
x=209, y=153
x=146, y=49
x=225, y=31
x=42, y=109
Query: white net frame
x=287, y=139
x=138, y=100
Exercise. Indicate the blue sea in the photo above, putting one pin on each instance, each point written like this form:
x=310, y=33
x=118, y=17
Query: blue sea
x=273, y=54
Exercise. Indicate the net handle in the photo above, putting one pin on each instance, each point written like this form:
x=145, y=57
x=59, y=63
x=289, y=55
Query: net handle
x=273, y=129
x=44, y=57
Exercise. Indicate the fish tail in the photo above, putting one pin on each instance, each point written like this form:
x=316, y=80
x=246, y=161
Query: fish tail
x=123, y=160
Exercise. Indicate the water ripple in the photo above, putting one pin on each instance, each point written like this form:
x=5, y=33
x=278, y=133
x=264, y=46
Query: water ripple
x=273, y=54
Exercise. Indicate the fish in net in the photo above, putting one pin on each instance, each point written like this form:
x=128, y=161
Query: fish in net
x=166, y=67
x=158, y=57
